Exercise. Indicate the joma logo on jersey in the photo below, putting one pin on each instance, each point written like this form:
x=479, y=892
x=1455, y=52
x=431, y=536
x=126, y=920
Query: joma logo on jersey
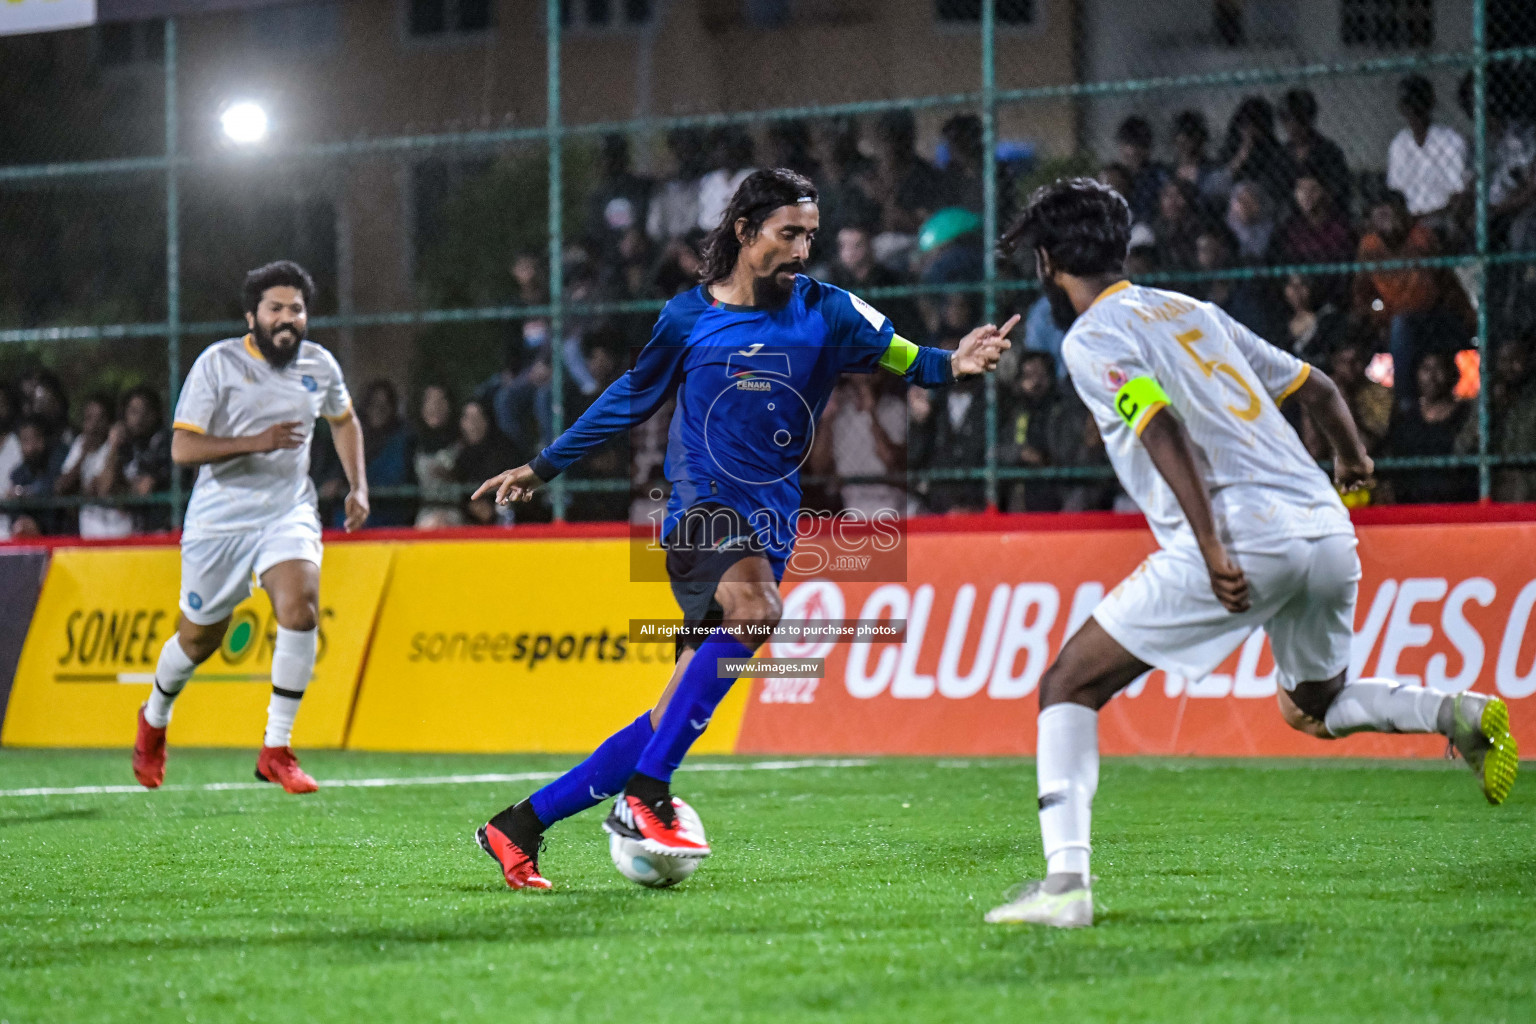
x=749, y=363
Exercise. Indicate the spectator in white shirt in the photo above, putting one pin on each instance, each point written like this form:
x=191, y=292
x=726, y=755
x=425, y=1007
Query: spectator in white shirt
x=674, y=209
x=733, y=161
x=1426, y=162
x=866, y=427
x=87, y=471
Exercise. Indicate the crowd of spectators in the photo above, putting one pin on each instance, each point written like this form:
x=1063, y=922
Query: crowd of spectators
x=121, y=451
x=1279, y=192
x=1275, y=191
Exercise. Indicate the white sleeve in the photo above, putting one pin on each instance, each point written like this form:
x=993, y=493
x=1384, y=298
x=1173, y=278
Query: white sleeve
x=892, y=416
x=1458, y=159
x=1102, y=362
x=1395, y=177
x=337, y=402
x=199, y=396
x=76, y=453
x=1280, y=372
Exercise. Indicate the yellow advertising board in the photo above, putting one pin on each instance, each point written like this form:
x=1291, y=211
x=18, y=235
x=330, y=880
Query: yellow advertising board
x=103, y=615
x=517, y=646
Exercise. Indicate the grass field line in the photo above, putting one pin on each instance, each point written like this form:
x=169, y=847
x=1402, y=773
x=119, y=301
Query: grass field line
x=418, y=780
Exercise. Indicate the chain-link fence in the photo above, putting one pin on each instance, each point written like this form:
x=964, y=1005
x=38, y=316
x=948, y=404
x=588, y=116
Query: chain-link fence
x=496, y=198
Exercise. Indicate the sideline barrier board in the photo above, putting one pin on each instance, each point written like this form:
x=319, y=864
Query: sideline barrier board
x=21, y=582
x=521, y=645
x=1446, y=605
x=104, y=613
x=501, y=646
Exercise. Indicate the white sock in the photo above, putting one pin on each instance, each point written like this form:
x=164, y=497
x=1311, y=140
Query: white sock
x=1067, y=765
x=171, y=675
x=293, y=660
x=1382, y=705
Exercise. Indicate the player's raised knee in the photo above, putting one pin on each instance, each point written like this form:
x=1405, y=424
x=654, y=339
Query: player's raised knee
x=1301, y=721
x=300, y=613
x=199, y=641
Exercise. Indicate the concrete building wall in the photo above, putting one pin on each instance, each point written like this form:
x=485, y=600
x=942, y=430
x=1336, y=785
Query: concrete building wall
x=1177, y=37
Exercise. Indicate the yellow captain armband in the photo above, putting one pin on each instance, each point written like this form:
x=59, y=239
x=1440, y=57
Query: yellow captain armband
x=899, y=355
x=1137, y=400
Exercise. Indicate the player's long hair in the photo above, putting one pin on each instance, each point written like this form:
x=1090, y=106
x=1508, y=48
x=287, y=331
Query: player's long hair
x=759, y=194
x=1083, y=225
x=282, y=274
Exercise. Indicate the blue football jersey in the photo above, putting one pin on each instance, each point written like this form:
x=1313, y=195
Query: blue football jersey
x=750, y=384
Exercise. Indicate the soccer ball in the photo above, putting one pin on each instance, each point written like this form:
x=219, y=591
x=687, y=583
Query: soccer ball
x=655, y=871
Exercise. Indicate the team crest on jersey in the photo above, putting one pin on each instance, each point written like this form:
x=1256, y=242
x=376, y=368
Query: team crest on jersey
x=1115, y=377
x=310, y=384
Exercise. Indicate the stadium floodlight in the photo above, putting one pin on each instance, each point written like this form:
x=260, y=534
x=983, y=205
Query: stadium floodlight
x=244, y=122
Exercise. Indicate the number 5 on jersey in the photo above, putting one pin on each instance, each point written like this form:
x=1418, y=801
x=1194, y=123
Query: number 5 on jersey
x=1211, y=367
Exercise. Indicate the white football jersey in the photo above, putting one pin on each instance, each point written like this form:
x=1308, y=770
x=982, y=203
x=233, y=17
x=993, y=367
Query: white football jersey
x=231, y=392
x=1224, y=383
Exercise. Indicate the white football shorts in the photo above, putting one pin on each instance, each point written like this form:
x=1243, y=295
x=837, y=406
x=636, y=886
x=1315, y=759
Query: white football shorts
x=1301, y=591
x=217, y=572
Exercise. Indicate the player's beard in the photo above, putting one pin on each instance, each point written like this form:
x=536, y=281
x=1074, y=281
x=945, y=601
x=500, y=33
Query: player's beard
x=766, y=291
x=1062, y=310
x=277, y=357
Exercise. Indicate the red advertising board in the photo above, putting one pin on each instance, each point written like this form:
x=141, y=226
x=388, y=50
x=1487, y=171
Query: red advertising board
x=1448, y=605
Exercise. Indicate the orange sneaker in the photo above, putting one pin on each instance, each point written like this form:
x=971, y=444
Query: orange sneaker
x=277, y=764
x=634, y=819
x=149, y=754
x=518, y=867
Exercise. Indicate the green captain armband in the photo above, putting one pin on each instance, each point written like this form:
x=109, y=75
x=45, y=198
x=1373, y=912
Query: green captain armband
x=899, y=355
x=1137, y=400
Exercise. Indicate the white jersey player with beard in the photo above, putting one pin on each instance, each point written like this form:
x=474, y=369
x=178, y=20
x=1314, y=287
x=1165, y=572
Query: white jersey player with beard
x=246, y=418
x=252, y=511
x=1250, y=532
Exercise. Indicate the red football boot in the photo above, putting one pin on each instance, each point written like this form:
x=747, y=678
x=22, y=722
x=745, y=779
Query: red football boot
x=277, y=764
x=634, y=819
x=518, y=867
x=149, y=754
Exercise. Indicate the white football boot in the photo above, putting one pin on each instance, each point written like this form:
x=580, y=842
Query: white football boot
x=1070, y=909
x=1480, y=734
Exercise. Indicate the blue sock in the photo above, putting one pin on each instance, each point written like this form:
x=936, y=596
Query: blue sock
x=597, y=778
x=699, y=692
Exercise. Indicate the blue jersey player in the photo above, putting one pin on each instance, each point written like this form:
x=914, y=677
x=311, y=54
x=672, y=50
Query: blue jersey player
x=752, y=356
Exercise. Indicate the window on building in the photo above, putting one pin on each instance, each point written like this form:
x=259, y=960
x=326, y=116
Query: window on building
x=306, y=27
x=1009, y=12
x=1387, y=24
x=605, y=13
x=125, y=43
x=427, y=18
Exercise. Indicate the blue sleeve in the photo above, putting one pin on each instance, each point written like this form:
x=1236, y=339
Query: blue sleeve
x=930, y=367
x=627, y=402
x=868, y=341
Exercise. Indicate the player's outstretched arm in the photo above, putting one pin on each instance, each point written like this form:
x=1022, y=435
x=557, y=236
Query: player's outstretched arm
x=193, y=448
x=1320, y=398
x=1168, y=445
x=347, y=433
x=929, y=367
x=623, y=405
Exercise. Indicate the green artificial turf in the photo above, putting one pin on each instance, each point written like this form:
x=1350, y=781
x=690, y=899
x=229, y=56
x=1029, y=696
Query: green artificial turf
x=1229, y=890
